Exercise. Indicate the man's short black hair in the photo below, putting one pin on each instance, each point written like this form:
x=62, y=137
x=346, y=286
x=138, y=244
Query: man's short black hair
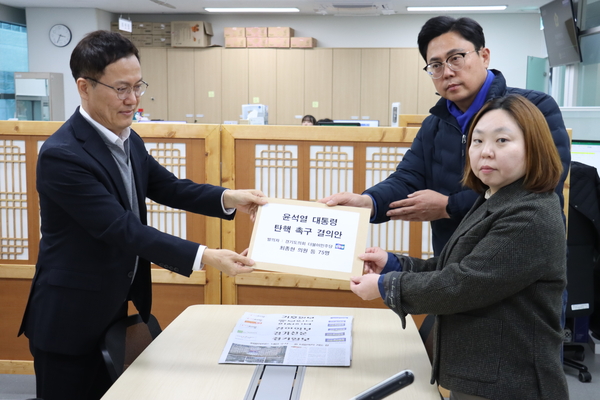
x=466, y=27
x=97, y=50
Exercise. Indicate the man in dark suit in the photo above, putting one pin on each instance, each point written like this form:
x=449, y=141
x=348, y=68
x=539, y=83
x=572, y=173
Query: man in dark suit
x=93, y=176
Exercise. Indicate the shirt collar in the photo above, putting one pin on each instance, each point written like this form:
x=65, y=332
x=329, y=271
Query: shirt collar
x=105, y=132
x=464, y=118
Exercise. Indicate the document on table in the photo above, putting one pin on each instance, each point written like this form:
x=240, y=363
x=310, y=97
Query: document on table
x=288, y=339
x=309, y=238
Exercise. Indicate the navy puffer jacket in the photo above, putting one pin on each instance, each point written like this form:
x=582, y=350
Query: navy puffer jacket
x=436, y=161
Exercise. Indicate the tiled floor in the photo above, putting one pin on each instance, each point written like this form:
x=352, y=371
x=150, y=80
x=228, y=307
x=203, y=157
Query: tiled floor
x=21, y=387
x=17, y=387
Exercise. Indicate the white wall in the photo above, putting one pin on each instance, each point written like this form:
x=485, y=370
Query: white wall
x=511, y=37
x=45, y=57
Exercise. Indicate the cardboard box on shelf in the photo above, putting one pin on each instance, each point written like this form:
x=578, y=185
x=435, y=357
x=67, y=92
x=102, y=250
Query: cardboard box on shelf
x=141, y=28
x=279, y=32
x=142, y=40
x=191, y=33
x=278, y=42
x=256, y=32
x=257, y=42
x=161, y=41
x=161, y=28
x=235, y=42
x=235, y=32
x=303, y=42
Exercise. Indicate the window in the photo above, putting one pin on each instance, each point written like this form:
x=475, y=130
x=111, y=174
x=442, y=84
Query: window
x=13, y=47
x=590, y=16
x=588, y=75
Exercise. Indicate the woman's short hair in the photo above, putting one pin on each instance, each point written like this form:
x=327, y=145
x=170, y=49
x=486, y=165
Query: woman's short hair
x=97, y=50
x=310, y=119
x=543, y=166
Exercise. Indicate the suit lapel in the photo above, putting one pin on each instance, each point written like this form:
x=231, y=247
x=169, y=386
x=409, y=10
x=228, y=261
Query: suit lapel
x=478, y=212
x=482, y=209
x=136, y=164
x=93, y=144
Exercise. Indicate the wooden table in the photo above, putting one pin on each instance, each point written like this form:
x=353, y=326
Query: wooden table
x=182, y=363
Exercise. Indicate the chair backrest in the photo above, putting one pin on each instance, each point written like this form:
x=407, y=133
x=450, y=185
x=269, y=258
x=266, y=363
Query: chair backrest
x=583, y=239
x=125, y=340
x=426, y=332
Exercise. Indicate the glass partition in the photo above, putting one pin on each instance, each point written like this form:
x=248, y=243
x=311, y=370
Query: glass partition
x=588, y=83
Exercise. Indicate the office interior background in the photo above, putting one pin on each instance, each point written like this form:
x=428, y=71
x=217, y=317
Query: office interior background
x=515, y=37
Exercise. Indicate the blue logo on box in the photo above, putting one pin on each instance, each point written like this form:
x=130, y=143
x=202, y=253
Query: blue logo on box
x=339, y=246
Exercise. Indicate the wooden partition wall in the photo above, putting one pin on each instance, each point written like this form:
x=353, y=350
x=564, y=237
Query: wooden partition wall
x=221, y=155
x=190, y=151
x=309, y=163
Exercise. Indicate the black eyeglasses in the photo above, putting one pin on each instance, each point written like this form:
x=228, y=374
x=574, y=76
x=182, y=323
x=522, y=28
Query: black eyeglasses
x=455, y=62
x=123, y=92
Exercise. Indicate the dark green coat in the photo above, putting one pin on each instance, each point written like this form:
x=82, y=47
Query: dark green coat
x=496, y=290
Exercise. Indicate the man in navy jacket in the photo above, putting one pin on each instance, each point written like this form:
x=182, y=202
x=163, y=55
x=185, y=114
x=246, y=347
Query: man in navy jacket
x=426, y=185
x=93, y=176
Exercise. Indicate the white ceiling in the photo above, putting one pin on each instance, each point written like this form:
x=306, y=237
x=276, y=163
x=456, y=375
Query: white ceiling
x=307, y=7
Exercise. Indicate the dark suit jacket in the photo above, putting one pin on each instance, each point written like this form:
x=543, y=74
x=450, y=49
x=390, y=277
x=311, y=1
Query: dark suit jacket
x=496, y=290
x=91, y=237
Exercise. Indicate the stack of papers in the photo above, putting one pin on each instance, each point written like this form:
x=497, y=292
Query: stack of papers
x=288, y=339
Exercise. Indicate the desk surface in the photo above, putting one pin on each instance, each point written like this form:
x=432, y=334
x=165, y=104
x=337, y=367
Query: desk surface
x=183, y=362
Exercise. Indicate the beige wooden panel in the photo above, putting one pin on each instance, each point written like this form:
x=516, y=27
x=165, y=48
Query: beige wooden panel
x=375, y=85
x=427, y=95
x=290, y=86
x=318, y=83
x=154, y=72
x=412, y=120
x=404, y=79
x=181, y=77
x=346, y=84
x=262, y=80
x=234, y=83
x=208, y=92
x=13, y=298
x=16, y=367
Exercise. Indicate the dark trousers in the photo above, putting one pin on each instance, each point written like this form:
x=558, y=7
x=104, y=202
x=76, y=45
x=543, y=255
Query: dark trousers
x=67, y=377
x=62, y=377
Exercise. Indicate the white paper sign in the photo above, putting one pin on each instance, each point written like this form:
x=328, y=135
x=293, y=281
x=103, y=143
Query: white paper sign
x=125, y=25
x=309, y=238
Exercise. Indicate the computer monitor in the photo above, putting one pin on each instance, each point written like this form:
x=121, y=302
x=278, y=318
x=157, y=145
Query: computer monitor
x=338, y=123
x=362, y=122
x=586, y=152
x=560, y=32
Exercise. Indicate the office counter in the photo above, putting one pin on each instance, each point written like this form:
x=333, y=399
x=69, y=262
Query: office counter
x=182, y=363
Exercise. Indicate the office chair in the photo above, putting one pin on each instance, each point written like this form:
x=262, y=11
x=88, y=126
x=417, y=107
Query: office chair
x=125, y=340
x=583, y=244
x=426, y=333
